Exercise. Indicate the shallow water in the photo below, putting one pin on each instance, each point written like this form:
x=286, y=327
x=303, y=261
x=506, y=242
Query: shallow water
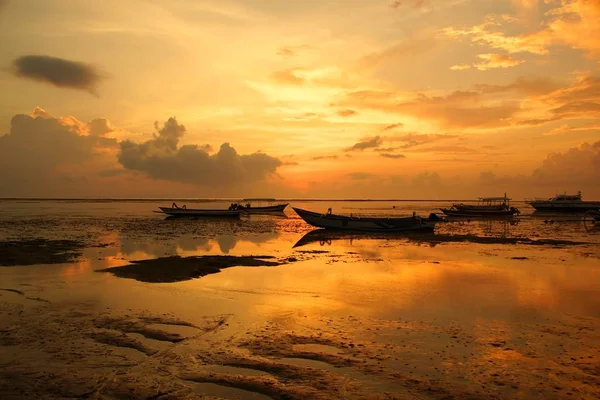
x=479, y=309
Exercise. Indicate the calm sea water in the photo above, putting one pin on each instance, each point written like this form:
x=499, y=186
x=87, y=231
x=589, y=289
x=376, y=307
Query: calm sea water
x=130, y=219
x=479, y=309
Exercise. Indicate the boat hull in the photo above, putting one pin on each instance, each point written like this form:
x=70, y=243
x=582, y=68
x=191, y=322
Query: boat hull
x=199, y=212
x=569, y=208
x=366, y=224
x=263, y=210
x=478, y=213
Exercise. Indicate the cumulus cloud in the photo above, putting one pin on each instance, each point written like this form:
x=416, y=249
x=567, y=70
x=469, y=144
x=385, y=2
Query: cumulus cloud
x=576, y=166
x=58, y=72
x=40, y=152
x=367, y=143
x=163, y=158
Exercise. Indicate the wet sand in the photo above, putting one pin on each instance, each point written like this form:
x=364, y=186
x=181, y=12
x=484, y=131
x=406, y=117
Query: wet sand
x=202, y=313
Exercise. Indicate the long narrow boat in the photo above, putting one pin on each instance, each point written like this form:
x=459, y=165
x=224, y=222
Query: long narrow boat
x=252, y=209
x=368, y=224
x=485, y=207
x=175, y=211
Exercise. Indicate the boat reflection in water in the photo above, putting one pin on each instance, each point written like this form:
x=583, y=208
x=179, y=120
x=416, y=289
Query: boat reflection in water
x=327, y=236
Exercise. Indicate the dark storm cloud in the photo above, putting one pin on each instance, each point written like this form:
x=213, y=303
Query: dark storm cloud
x=163, y=158
x=58, y=72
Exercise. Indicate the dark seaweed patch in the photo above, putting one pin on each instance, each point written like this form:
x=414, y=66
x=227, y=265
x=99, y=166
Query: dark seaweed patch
x=176, y=268
x=39, y=251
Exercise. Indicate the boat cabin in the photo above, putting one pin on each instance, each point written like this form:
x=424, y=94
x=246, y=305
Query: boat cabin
x=567, y=197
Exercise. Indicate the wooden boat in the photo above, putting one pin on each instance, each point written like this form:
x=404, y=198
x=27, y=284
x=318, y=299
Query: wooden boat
x=368, y=224
x=266, y=209
x=564, y=203
x=175, y=211
x=485, y=207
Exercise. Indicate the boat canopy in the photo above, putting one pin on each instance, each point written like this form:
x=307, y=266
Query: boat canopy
x=494, y=198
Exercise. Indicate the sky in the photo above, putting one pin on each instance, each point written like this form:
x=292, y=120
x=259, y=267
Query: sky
x=405, y=99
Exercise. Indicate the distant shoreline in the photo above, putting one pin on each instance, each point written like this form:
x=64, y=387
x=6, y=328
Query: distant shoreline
x=208, y=200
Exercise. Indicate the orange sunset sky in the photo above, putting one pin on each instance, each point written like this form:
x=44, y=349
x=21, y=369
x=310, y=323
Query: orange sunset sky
x=316, y=98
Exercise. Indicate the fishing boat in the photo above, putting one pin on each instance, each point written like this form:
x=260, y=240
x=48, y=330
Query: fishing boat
x=368, y=224
x=485, y=207
x=261, y=209
x=176, y=211
x=565, y=203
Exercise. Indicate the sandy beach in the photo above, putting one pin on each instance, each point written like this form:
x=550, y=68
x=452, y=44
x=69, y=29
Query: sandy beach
x=106, y=300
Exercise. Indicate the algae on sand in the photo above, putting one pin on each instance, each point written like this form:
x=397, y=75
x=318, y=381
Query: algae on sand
x=176, y=268
x=39, y=251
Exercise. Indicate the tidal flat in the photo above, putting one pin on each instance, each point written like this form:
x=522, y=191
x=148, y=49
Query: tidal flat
x=140, y=307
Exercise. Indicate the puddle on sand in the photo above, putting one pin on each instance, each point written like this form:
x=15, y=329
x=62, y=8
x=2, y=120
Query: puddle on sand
x=226, y=392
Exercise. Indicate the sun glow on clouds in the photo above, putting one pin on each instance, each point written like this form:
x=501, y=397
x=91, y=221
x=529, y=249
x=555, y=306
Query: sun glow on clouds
x=303, y=83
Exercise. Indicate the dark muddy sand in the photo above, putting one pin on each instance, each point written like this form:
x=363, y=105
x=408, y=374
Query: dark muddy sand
x=39, y=251
x=77, y=351
x=176, y=269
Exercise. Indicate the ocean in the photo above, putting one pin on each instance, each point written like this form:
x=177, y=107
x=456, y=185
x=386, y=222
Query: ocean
x=105, y=298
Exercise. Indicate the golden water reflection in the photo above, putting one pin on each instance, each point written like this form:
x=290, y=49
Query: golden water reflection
x=377, y=276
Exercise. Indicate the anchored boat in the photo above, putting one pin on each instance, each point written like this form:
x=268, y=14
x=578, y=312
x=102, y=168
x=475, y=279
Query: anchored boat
x=261, y=209
x=176, y=211
x=485, y=207
x=368, y=224
x=565, y=203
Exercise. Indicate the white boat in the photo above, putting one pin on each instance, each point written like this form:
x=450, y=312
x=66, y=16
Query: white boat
x=564, y=203
x=485, y=207
x=368, y=224
x=176, y=211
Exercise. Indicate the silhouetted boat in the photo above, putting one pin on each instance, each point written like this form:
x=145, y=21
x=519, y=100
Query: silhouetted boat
x=564, y=203
x=485, y=207
x=368, y=224
x=271, y=208
x=175, y=211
